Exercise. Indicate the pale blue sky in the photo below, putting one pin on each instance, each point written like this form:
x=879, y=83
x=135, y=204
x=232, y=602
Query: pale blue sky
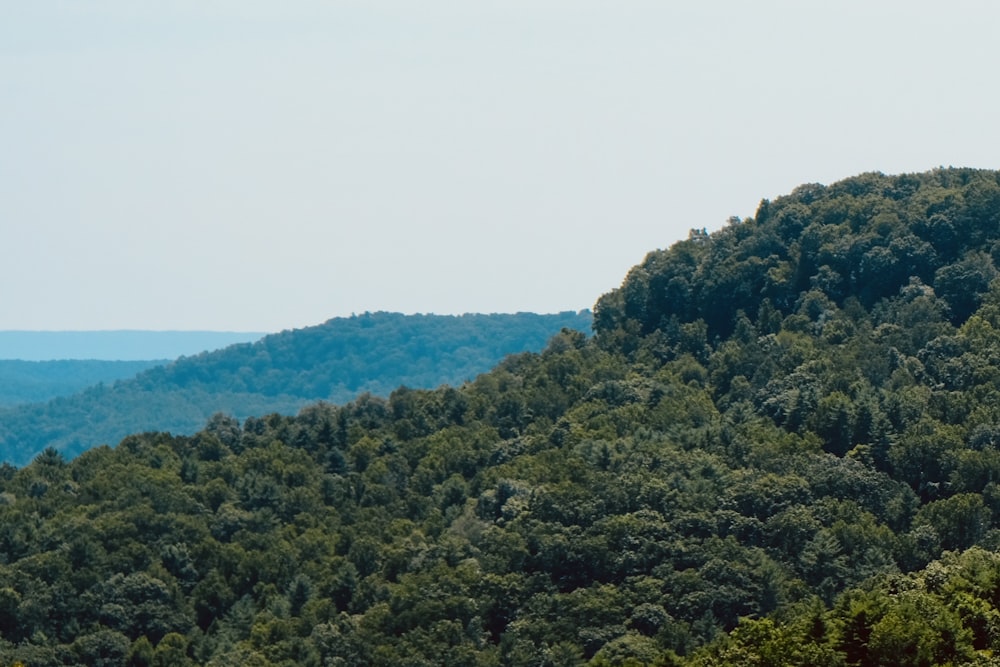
x=249, y=165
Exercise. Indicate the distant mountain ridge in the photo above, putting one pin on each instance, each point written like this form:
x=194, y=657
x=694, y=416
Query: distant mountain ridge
x=115, y=345
x=281, y=373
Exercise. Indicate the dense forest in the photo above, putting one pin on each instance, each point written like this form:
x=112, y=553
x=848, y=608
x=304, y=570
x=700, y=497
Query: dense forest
x=39, y=381
x=781, y=446
x=335, y=361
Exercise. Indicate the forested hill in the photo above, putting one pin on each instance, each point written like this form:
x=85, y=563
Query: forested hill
x=38, y=381
x=335, y=361
x=781, y=447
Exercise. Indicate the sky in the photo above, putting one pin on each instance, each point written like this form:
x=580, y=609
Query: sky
x=249, y=165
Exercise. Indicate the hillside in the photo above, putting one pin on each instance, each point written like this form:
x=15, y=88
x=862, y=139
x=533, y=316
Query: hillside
x=780, y=447
x=39, y=381
x=335, y=361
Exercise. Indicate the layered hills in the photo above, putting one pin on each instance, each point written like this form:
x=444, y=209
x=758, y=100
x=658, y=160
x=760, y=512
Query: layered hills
x=115, y=344
x=25, y=381
x=334, y=361
x=780, y=447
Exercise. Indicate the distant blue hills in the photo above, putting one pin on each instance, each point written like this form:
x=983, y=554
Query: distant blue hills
x=373, y=353
x=38, y=381
x=116, y=345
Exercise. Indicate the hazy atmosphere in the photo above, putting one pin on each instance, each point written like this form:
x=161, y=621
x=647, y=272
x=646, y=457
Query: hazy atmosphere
x=259, y=166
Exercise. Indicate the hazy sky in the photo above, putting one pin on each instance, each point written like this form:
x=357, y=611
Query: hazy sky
x=252, y=165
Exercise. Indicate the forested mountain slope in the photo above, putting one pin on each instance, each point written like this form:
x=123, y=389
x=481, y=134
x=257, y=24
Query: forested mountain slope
x=335, y=361
x=781, y=447
x=38, y=381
